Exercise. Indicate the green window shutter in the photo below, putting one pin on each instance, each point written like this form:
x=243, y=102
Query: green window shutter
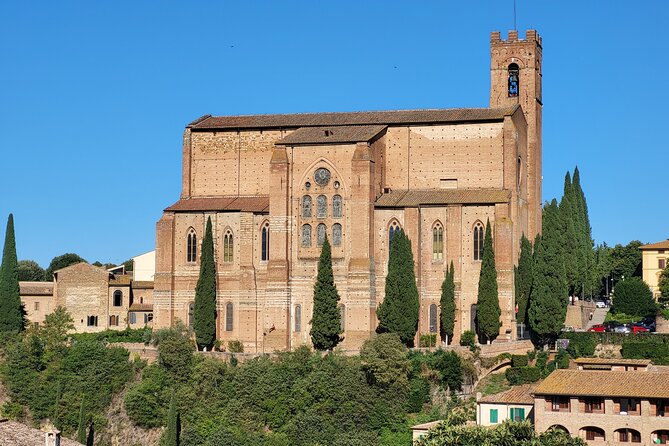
x=521, y=414
x=493, y=415
x=511, y=414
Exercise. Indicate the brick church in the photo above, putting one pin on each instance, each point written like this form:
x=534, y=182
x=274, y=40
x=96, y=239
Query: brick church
x=276, y=185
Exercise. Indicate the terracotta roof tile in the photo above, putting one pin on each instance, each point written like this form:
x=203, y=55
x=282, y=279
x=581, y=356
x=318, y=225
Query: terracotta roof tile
x=258, y=204
x=141, y=307
x=142, y=284
x=659, y=245
x=207, y=123
x=515, y=395
x=36, y=288
x=331, y=134
x=605, y=383
x=414, y=198
x=121, y=279
x=613, y=361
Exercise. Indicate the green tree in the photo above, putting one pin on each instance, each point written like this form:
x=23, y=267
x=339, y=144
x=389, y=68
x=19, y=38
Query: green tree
x=523, y=273
x=171, y=435
x=626, y=261
x=398, y=313
x=326, y=320
x=588, y=273
x=60, y=262
x=633, y=297
x=384, y=360
x=487, y=305
x=54, y=332
x=664, y=285
x=447, y=304
x=548, y=298
x=12, y=317
x=81, y=428
x=30, y=271
x=204, y=314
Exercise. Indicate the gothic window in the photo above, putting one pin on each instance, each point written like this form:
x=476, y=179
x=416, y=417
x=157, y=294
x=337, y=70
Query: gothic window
x=478, y=241
x=342, y=317
x=306, y=236
x=433, y=318
x=228, y=316
x=118, y=298
x=514, y=80
x=320, y=234
x=298, y=317
x=322, y=206
x=337, y=206
x=228, y=247
x=92, y=321
x=264, y=242
x=192, y=246
x=306, y=206
x=394, y=227
x=437, y=242
x=336, y=234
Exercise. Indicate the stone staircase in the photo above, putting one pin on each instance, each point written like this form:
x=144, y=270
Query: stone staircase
x=598, y=317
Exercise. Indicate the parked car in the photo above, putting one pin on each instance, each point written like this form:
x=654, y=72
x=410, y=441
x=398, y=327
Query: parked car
x=611, y=326
x=622, y=328
x=598, y=328
x=638, y=328
x=649, y=323
x=600, y=304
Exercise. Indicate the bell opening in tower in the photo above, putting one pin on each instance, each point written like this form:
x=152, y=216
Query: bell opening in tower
x=513, y=80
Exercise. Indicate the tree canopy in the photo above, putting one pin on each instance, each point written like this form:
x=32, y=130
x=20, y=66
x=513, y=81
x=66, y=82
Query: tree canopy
x=487, y=306
x=30, y=271
x=204, y=312
x=326, y=324
x=398, y=313
x=664, y=285
x=523, y=282
x=12, y=317
x=633, y=297
x=60, y=262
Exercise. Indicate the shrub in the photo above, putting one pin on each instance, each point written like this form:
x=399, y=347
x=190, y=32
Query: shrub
x=449, y=366
x=542, y=359
x=562, y=359
x=581, y=344
x=235, y=346
x=427, y=340
x=522, y=375
x=658, y=352
x=633, y=297
x=519, y=360
x=13, y=411
x=468, y=339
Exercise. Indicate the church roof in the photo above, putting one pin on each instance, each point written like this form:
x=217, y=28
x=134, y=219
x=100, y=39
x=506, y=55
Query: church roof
x=414, y=198
x=658, y=245
x=332, y=134
x=36, y=288
x=387, y=117
x=255, y=203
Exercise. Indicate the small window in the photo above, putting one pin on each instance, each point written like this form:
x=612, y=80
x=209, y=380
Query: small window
x=337, y=206
x=514, y=80
x=191, y=255
x=191, y=312
x=148, y=317
x=133, y=317
x=306, y=206
x=394, y=227
x=92, y=321
x=228, y=316
x=494, y=418
x=517, y=414
x=113, y=320
x=264, y=248
x=661, y=263
x=433, y=318
x=306, y=236
x=342, y=317
x=478, y=241
x=321, y=230
x=437, y=242
x=336, y=234
x=228, y=246
x=298, y=318
x=118, y=298
x=322, y=206
x=36, y=306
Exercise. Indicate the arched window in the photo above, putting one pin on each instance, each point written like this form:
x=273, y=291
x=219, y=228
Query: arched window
x=264, y=242
x=514, y=80
x=228, y=248
x=593, y=433
x=118, y=298
x=113, y=320
x=336, y=234
x=433, y=318
x=192, y=246
x=628, y=436
x=306, y=236
x=228, y=316
x=437, y=242
x=337, y=206
x=321, y=230
x=322, y=206
x=660, y=437
x=394, y=227
x=342, y=317
x=191, y=314
x=298, y=318
x=478, y=241
x=306, y=206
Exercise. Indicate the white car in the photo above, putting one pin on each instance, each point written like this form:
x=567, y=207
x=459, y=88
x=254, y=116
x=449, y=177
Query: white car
x=600, y=304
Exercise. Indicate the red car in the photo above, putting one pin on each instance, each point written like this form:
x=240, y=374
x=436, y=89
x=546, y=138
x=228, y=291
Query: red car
x=597, y=328
x=639, y=329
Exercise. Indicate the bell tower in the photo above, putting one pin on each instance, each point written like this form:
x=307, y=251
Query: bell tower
x=515, y=78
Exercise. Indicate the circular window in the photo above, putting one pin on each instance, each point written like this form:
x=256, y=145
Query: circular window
x=307, y=185
x=322, y=176
x=336, y=184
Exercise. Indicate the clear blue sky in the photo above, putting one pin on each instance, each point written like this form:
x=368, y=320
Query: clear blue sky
x=94, y=97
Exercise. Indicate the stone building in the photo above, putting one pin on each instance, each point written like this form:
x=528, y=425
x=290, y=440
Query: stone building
x=275, y=185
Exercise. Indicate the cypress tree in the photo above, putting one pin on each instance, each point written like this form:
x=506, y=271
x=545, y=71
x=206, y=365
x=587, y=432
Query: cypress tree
x=589, y=273
x=487, y=305
x=326, y=320
x=398, y=313
x=524, y=279
x=548, y=298
x=12, y=317
x=81, y=428
x=447, y=305
x=204, y=312
x=172, y=432
x=571, y=237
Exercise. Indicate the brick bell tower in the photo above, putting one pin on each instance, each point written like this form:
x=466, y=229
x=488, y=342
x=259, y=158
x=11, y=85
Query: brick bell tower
x=515, y=78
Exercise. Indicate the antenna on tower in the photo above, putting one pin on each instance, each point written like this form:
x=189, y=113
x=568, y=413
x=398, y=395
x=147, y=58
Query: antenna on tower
x=514, y=16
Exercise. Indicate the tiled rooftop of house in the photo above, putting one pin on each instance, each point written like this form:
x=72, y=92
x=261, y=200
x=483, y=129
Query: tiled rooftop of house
x=605, y=383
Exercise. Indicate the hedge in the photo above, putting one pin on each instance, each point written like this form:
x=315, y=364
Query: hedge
x=522, y=375
x=658, y=352
x=127, y=335
x=519, y=360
